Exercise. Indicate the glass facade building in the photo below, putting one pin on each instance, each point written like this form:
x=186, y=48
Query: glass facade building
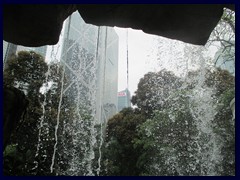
x=124, y=99
x=90, y=58
x=8, y=50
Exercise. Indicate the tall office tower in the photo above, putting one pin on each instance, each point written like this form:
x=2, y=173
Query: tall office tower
x=8, y=50
x=5, y=46
x=87, y=98
x=90, y=57
x=124, y=99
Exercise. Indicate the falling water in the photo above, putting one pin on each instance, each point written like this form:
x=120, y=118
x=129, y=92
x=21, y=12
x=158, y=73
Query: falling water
x=44, y=126
x=85, y=71
x=41, y=124
x=103, y=120
x=206, y=146
x=56, y=127
x=79, y=127
x=203, y=109
x=79, y=133
x=99, y=149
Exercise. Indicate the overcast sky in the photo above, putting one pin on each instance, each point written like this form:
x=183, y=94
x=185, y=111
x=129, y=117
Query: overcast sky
x=144, y=55
x=148, y=52
x=139, y=49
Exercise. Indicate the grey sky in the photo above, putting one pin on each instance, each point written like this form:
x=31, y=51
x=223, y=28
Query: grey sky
x=148, y=52
x=139, y=47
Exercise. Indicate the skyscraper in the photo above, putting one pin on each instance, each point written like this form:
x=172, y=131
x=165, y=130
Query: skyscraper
x=8, y=50
x=124, y=99
x=90, y=57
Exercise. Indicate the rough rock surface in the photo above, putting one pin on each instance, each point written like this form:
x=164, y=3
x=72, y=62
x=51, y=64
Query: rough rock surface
x=14, y=106
x=37, y=25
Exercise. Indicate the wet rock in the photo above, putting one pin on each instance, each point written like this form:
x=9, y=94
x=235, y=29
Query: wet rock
x=14, y=106
x=38, y=25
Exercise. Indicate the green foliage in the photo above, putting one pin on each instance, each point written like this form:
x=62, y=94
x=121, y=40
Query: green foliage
x=25, y=67
x=224, y=36
x=160, y=137
x=119, y=155
x=11, y=160
x=28, y=72
x=15, y=159
x=18, y=73
x=225, y=128
x=153, y=89
x=222, y=80
x=168, y=139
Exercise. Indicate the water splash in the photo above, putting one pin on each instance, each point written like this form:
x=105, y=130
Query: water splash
x=57, y=125
x=103, y=119
x=83, y=87
x=42, y=118
x=203, y=106
x=202, y=150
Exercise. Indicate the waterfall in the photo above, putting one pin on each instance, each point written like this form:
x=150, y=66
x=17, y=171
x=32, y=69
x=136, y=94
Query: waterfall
x=85, y=86
x=42, y=118
x=56, y=127
x=198, y=101
x=182, y=124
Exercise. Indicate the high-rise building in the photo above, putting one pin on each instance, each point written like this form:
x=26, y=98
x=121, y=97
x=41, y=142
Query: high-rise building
x=90, y=58
x=124, y=99
x=8, y=50
x=5, y=46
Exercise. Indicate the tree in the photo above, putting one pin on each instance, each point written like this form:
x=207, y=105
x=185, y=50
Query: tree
x=26, y=71
x=223, y=36
x=175, y=141
x=154, y=89
x=119, y=154
x=168, y=140
x=32, y=146
x=190, y=133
